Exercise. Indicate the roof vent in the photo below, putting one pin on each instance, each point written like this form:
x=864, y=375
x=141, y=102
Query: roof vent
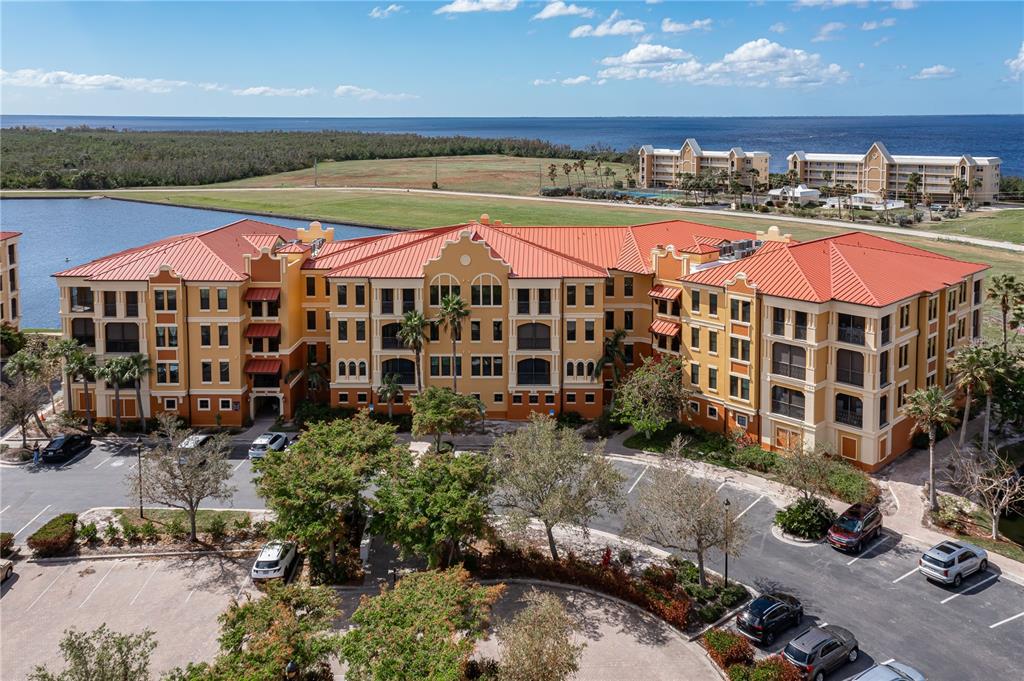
x=485, y=219
x=497, y=223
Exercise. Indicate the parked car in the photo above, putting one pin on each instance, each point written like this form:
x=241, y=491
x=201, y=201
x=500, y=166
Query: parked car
x=65, y=447
x=950, y=561
x=190, y=443
x=268, y=442
x=273, y=561
x=891, y=671
x=767, y=615
x=6, y=569
x=857, y=525
x=820, y=650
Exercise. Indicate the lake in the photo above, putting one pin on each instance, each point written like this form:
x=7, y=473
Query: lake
x=61, y=233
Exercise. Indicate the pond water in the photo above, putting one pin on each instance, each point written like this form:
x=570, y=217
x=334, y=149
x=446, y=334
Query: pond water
x=61, y=233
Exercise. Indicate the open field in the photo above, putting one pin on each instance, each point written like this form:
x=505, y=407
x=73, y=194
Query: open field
x=1003, y=225
x=513, y=175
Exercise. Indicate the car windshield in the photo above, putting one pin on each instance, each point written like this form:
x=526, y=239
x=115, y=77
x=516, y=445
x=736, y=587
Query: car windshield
x=795, y=654
x=266, y=564
x=931, y=560
x=849, y=524
x=758, y=606
x=58, y=441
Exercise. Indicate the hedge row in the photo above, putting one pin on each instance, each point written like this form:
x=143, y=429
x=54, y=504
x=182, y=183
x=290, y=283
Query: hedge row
x=735, y=656
x=55, y=537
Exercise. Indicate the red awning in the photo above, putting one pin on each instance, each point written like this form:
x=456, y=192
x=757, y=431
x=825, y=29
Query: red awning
x=263, y=331
x=263, y=366
x=664, y=292
x=262, y=294
x=663, y=328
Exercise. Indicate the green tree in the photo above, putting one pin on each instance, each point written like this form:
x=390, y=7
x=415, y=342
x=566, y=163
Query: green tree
x=806, y=469
x=755, y=177
x=101, y=655
x=538, y=644
x=437, y=411
x=388, y=391
x=137, y=370
x=912, y=188
x=115, y=371
x=613, y=357
x=82, y=365
x=424, y=628
x=552, y=173
x=11, y=339
x=931, y=410
x=543, y=471
x=968, y=365
x=62, y=350
x=410, y=332
x=1008, y=293
x=652, y=396
x=453, y=312
x=315, y=375
x=432, y=507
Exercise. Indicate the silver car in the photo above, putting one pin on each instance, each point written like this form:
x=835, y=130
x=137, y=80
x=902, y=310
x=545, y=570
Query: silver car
x=891, y=671
x=951, y=561
x=268, y=442
x=820, y=650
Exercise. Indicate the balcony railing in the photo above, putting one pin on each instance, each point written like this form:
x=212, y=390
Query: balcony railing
x=850, y=377
x=533, y=343
x=87, y=341
x=786, y=409
x=850, y=417
x=533, y=378
x=122, y=346
x=391, y=343
x=791, y=370
x=851, y=334
x=800, y=332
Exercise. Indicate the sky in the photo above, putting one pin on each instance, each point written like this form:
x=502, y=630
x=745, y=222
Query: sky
x=512, y=58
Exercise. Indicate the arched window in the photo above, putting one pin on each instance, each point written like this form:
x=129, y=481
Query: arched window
x=534, y=336
x=580, y=371
x=849, y=410
x=590, y=368
x=351, y=368
x=341, y=368
x=485, y=291
x=442, y=286
x=389, y=339
x=403, y=369
x=533, y=372
x=362, y=368
x=569, y=368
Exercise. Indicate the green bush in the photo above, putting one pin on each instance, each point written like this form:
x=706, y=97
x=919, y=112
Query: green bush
x=217, y=527
x=755, y=458
x=625, y=557
x=6, y=542
x=733, y=595
x=89, y=532
x=774, y=668
x=130, y=531
x=701, y=593
x=687, y=572
x=727, y=648
x=176, y=529
x=244, y=524
x=111, y=532
x=401, y=422
x=310, y=412
x=850, y=484
x=951, y=512
x=571, y=419
x=739, y=672
x=711, y=613
x=56, y=536
x=148, y=531
x=806, y=518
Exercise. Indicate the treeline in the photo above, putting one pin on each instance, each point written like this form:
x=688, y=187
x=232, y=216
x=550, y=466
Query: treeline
x=91, y=158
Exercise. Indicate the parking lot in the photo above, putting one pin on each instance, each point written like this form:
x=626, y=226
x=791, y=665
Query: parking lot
x=179, y=599
x=973, y=632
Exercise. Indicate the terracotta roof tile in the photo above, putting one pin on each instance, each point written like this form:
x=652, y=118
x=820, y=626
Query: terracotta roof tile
x=664, y=328
x=263, y=366
x=4, y=236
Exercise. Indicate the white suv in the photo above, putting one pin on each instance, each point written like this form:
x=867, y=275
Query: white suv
x=273, y=561
x=268, y=442
x=950, y=561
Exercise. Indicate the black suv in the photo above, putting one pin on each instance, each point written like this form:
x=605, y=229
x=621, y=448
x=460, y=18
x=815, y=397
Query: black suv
x=64, y=447
x=766, y=616
x=858, y=525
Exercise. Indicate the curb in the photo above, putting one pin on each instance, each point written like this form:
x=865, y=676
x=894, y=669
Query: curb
x=113, y=556
x=15, y=464
x=785, y=538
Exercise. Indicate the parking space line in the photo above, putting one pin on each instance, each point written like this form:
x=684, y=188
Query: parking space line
x=102, y=579
x=900, y=579
x=719, y=488
x=103, y=462
x=189, y=597
x=869, y=549
x=740, y=514
x=891, y=659
x=244, y=460
x=241, y=587
x=4, y=508
x=32, y=521
x=637, y=481
x=43, y=593
x=970, y=588
x=139, y=592
x=1008, y=619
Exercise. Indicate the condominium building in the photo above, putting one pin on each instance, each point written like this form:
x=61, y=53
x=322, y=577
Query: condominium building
x=664, y=167
x=816, y=342
x=879, y=172
x=10, y=303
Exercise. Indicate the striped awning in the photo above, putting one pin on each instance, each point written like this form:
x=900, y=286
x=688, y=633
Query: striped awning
x=664, y=292
x=263, y=331
x=664, y=328
x=263, y=366
x=262, y=294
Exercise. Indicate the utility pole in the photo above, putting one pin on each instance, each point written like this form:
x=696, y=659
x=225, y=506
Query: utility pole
x=316, y=179
x=435, y=171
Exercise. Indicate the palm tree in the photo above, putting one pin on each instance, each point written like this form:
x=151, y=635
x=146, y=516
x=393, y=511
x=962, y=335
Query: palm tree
x=315, y=374
x=389, y=390
x=613, y=357
x=755, y=176
x=931, y=409
x=629, y=176
x=82, y=365
x=566, y=168
x=994, y=365
x=137, y=370
x=582, y=165
x=25, y=366
x=453, y=311
x=848, y=190
x=976, y=184
x=115, y=371
x=927, y=198
x=63, y=350
x=552, y=173
x=1009, y=293
x=410, y=332
x=826, y=175
x=912, y=187
x=969, y=366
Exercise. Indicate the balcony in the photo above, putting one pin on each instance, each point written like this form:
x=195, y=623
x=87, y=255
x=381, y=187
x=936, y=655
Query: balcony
x=851, y=334
x=785, y=409
x=850, y=417
x=850, y=377
x=82, y=300
x=391, y=343
x=790, y=370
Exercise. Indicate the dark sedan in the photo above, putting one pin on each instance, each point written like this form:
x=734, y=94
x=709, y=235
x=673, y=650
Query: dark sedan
x=65, y=447
x=767, y=615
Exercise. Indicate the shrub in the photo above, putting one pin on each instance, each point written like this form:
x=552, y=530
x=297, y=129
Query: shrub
x=176, y=529
x=739, y=672
x=402, y=422
x=951, y=512
x=727, y=648
x=89, y=532
x=806, y=518
x=687, y=572
x=217, y=527
x=433, y=185
x=310, y=412
x=851, y=484
x=571, y=419
x=243, y=525
x=130, y=531
x=711, y=613
x=755, y=458
x=260, y=528
x=701, y=593
x=148, y=531
x=6, y=542
x=733, y=595
x=625, y=557
x=555, y=191
x=774, y=668
x=936, y=218
x=111, y=532
x=905, y=221
x=56, y=536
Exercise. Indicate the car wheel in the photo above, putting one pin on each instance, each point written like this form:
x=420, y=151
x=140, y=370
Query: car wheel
x=854, y=654
x=983, y=566
x=958, y=580
x=798, y=619
x=7, y=573
x=820, y=676
x=858, y=546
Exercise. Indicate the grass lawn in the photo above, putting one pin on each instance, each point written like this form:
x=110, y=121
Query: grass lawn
x=161, y=517
x=699, y=446
x=1003, y=225
x=1011, y=529
x=489, y=174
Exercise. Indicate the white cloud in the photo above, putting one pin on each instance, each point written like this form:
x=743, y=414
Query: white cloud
x=267, y=91
x=881, y=41
x=466, y=6
x=758, y=63
x=830, y=3
x=544, y=81
x=385, y=12
x=365, y=94
x=645, y=53
x=828, y=31
x=613, y=25
x=860, y=65
x=560, y=9
x=875, y=25
x=577, y=80
x=211, y=87
x=903, y=4
x=777, y=27
x=1016, y=64
x=937, y=72
x=83, y=81
x=669, y=26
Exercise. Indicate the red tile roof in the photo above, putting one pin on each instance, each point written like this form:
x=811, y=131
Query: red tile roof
x=263, y=331
x=664, y=328
x=858, y=268
x=263, y=366
x=4, y=236
x=262, y=294
x=664, y=292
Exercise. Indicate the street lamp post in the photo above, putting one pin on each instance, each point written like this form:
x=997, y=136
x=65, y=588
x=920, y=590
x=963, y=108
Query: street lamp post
x=727, y=543
x=138, y=453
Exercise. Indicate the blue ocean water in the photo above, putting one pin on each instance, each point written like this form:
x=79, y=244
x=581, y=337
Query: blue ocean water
x=1001, y=136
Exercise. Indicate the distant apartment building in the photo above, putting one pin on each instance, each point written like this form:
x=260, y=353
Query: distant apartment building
x=663, y=167
x=816, y=343
x=10, y=303
x=879, y=172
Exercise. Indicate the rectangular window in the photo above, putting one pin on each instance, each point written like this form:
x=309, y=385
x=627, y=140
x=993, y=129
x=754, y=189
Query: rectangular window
x=170, y=404
x=950, y=300
x=739, y=310
x=850, y=367
x=165, y=300
x=225, y=371
x=609, y=319
x=131, y=304
x=851, y=329
x=387, y=301
x=534, y=399
x=360, y=330
x=343, y=329
x=588, y=296
x=933, y=309
x=224, y=404
x=883, y=369
x=341, y=290
x=695, y=337
x=713, y=342
x=570, y=398
x=222, y=335
x=627, y=320
x=712, y=378
x=204, y=335
x=589, y=398
x=713, y=304
x=789, y=360
x=961, y=328
x=886, y=329
x=695, y=302
x=950, y=338
x=883, y=411
x=310, y=287
x=778, y=321
x=310, y=320
x=570, y=295
x=360, y=295
x=712, y=412
x=905, y=316
x=435, y=331
x=627, y=287
x=499, y=397
x=739, y=387
x=787, y=402
x=543, y=301
x=496, y=330
x=800, y=325
x=570, y=332
x=204, y=299
x=109, y=303
x=206, y=368
x=627, y=351
x=739, y=348
x=609, y=287
x=167, y=336
x=903, y=355
x=203, y=404
x=442, y=365
x=167, y=372
x=901, y=395
x=327, y=288
x=588, y=331
x=486, y=366
x=222, y=299
x=930, y=348
x=523, y=301
x=695, y=375
x=474, y=330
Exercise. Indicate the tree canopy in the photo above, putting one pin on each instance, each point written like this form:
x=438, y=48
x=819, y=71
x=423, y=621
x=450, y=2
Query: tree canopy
x=538, y=644
x=101, y=655
x=437, y=411
x=652, y=396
